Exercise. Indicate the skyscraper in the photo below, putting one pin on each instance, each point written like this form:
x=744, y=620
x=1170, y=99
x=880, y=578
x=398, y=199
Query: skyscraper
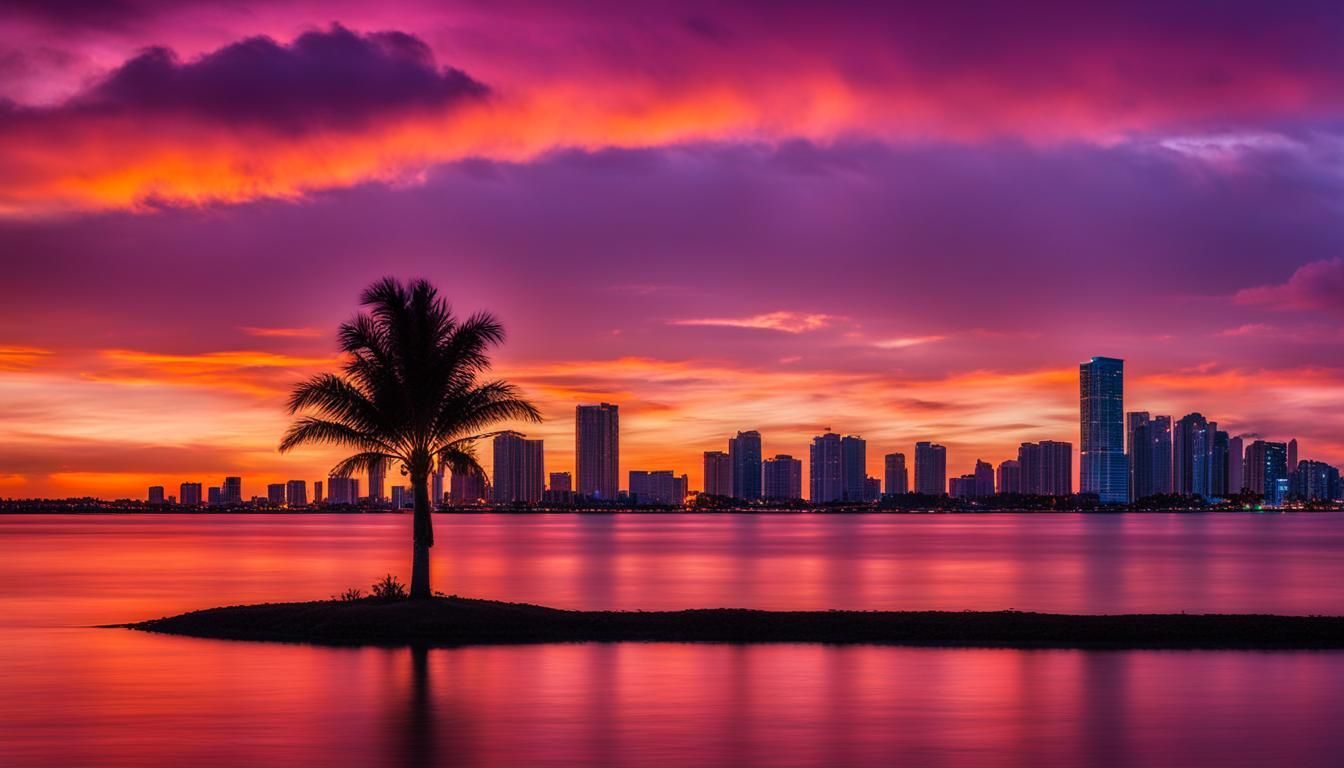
x=897, y=479
x=1316, y=481
x=1218, y=461
x=519, y=470
x=342, y=490
x=984, y=478
x=1010, y=476
x=1236, y=465
x=1267, y=470
x=318, y=498
x=296, y=493
x=1029, y=459
x=1159, y=432
x=189, y=494
x=718, y=474
x=378, y=482
x=275, y=493
x=561, y=482
x=436, y=487
x=930, y=468
x=1103, y=469
x=744, y=451
x=1134, y=422
x=1191, y=442
x=827, y=483
x=155, y=495
x=853, y=468
x=782, y=478
x=1056, y=468
x=597, y=450
x=1292, y=455
x=231, y=492
x=467, y=489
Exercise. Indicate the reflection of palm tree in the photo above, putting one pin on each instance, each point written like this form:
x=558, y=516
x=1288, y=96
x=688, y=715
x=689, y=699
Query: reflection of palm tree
x=409, y=393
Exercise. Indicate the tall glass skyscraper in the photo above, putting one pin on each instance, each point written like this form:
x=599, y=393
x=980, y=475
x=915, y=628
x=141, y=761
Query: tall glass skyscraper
x=597, y=450
x=1101, y=389
x=744, y=451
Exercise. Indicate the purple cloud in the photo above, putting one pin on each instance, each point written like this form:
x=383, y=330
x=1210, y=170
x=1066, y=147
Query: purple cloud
x=323, y=78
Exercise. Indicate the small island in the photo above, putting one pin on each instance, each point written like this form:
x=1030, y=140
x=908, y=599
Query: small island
x=448, y=621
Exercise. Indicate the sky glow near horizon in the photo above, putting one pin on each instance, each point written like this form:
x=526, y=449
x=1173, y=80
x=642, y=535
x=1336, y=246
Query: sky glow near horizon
x=901, y=224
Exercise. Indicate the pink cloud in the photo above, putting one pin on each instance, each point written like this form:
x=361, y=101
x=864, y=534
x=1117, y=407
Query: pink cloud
x=1318, y=285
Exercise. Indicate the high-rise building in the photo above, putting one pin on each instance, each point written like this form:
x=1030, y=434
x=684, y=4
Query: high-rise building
x=561, y=482
x=519, y=470
x=961, y=487
x=1010, y=476
x=436, y=487
x=1218, y=462
x=275, y=493
x=1317, y=481
x=318, y=498
x=1134, y=422
x=155, y=495
x=930, y=468
x=660, y=487
x=782, y=478
x=1150, y=458
x=1029, y=459
x=342, y=490
x=232, y=490
x=1236, y=465
x=872, y=489
x=296, y=493
x=827, y=483
x=853, y=468
x=1046, y=467
x=1159, y=432
x=378, y=482
x=597, y=450
x=984, y=478
x=1103, y=469
x=190, y=494
x=1192, y=444
x=744, y=453
x=468, y=489
x=399, y=496
x=1057, y=468
x=214, y=497
x=1292, y=454
x=897, y=479
x=718, y=474
x=1267, y=470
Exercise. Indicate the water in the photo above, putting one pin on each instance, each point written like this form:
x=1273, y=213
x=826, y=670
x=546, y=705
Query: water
x=74, y=695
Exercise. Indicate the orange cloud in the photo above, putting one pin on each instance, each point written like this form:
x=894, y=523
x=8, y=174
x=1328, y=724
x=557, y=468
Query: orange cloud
x=788, y=322
x=14, y=358
x=286, y=333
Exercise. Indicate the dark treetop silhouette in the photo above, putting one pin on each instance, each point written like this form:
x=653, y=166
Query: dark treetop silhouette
x=411, y=394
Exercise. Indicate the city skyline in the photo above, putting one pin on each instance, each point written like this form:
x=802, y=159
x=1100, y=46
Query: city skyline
x=1148, y=457
x=770, y=224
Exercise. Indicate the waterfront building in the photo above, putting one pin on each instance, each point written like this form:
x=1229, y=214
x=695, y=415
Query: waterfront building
x=718, y=474
x=782, y=478
x=897, y=479
x=597, y=454
x=519, y=469
x=744, y=454
x=296, y=493
x=155, y=495
x=827, y=483
x=930, y=468
x=189, y=494
x=1103, y=469
x=853, y=468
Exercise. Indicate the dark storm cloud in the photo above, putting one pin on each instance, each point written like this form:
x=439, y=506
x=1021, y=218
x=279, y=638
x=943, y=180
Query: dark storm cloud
x=331, y=77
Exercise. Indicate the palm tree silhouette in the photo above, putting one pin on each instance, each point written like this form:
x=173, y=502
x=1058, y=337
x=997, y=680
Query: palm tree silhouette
x=411, y=393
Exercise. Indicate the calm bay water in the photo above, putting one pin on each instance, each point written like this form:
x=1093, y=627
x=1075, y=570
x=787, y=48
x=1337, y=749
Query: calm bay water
x=74, y=695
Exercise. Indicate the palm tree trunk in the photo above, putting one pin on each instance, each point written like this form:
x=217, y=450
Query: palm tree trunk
x=424, y=539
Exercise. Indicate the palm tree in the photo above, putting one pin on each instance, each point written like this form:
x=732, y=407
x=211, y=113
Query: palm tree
x=410, y=393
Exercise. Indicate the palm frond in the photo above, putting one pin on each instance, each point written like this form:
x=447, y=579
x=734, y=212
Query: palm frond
x=361, y=463
x=310, y=430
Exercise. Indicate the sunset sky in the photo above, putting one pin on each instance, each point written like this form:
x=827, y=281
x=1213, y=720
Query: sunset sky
x=905, y=225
